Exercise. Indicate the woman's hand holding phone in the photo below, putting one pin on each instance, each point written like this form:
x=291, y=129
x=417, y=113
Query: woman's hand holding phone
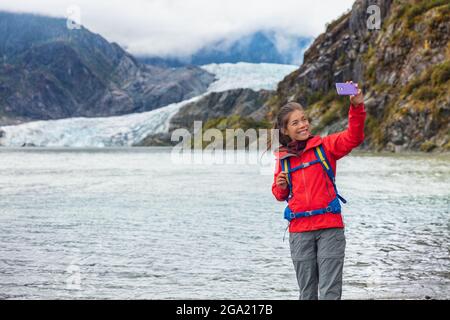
x=358, y=98
x=282, y=180
x=352, y=90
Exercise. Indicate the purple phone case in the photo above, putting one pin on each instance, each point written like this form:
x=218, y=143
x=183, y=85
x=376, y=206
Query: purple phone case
x=346, y=89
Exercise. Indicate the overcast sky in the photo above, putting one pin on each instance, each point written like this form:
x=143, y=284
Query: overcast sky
x=179, y=27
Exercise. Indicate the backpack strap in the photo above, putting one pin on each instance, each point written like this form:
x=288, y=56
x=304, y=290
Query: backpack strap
x=286, y=167
x=321, y=155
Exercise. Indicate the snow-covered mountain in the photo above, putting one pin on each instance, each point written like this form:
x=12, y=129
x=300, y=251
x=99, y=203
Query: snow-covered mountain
x=268, y=46
x=130, y=129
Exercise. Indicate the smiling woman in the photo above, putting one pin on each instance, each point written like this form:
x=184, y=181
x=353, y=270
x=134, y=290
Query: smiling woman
x=305, y=179
x=294, y=124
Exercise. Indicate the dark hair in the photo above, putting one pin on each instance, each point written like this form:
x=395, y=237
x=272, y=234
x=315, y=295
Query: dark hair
x=281, y=122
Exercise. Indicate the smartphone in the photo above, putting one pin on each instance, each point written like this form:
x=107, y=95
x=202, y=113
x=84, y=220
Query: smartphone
x=346, y=89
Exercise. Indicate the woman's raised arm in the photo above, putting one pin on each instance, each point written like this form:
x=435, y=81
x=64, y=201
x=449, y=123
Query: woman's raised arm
x=341, y=143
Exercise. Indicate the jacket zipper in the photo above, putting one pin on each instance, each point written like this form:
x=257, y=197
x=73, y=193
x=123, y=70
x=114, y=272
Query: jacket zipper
x=306, y=189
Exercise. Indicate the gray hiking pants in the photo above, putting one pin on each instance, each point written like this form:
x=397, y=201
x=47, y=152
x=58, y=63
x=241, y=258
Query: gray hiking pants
x=318, y=258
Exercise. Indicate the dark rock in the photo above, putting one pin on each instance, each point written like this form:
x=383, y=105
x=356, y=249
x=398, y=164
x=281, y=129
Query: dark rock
x=243, y=102
x=28, y=144
x=160, y=139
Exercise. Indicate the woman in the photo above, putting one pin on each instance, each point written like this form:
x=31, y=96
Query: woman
x=305, y=178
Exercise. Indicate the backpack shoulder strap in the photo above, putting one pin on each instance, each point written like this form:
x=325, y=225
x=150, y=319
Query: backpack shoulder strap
x=321, y=155
x=286, y=167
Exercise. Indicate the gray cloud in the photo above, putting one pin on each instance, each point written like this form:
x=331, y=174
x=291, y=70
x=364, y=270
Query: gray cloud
x=180, y=27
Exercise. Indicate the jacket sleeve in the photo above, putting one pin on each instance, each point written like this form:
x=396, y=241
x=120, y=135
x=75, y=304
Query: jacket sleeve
x=279, y=193
x=341, y=143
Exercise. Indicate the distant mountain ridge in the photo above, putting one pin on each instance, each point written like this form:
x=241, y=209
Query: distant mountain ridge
x=257, y=47
x=48, y=71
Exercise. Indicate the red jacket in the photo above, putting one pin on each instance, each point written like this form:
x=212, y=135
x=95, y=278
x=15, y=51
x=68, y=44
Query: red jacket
x=311, y=187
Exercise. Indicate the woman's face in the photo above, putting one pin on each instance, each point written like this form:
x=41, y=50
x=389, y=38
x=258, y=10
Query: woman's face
x=297, y=126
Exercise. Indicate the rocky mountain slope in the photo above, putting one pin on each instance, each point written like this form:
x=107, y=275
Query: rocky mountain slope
x=236, y=108
x=242, y=102
x=48, y=71
x=404, y=69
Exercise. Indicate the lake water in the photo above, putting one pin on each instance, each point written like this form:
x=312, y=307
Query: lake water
x=128, y=223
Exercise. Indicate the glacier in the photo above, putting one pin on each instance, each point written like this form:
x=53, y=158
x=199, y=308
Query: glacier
x=129, y=129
